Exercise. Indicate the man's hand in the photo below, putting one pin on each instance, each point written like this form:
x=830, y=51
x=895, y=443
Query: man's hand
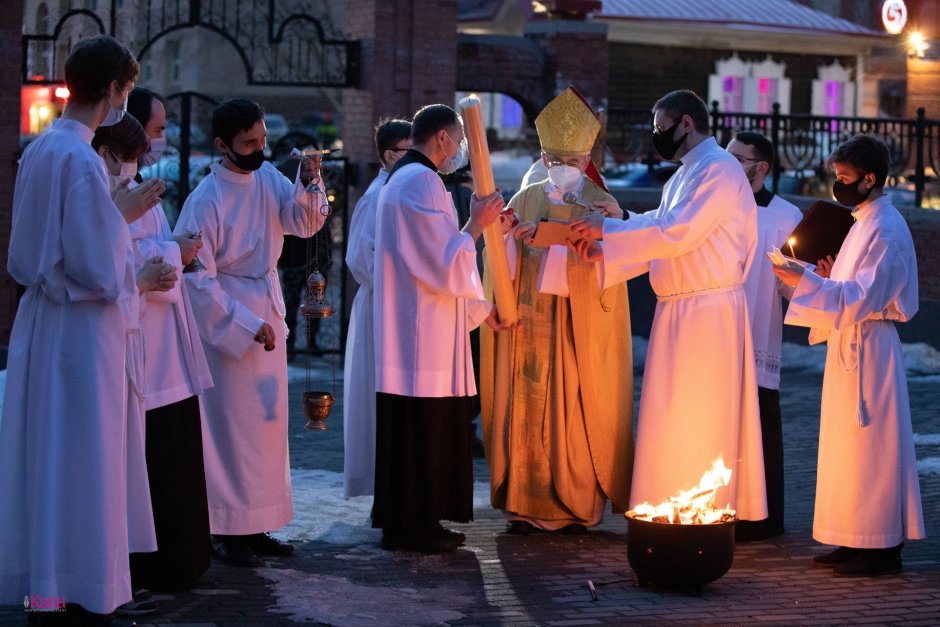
x=789, y=274
x=189, y=244
x=265, y=335
x=590, y=225
x=824, y=266
x=525, y=231
x=133, y=203
x=588, y=249
x=493, y=321
x=156, y=276
x=608, y=209
x=483, y=212
x=310, y=169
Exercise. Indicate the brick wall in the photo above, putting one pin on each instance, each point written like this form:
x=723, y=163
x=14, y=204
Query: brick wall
x=408, y=60
x=11, y=52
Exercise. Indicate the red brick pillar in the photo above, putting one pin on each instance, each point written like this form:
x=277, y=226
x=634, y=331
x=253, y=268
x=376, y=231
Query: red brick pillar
x=408, y=60
x=11, y=51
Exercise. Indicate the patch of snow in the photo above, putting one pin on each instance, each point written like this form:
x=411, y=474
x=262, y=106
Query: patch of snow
x=928, y=466
x=927, y=439
x=323, y=514
x=333, y=600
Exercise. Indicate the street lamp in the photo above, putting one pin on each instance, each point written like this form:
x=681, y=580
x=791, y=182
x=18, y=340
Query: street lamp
x=917, y=45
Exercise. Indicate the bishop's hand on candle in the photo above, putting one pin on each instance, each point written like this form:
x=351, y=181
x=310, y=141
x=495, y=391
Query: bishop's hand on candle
x=590, y=225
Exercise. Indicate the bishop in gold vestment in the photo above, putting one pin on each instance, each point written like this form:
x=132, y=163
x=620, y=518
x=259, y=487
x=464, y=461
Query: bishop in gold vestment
x=557, y=391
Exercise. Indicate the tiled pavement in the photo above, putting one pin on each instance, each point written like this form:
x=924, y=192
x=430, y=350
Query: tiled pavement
x=542, y=579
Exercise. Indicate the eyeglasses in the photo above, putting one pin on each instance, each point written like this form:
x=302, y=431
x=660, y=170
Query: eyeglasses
x=555, y=162
x=746, y=160
x=405, y=149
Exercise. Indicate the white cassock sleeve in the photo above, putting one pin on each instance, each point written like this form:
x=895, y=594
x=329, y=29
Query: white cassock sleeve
x=827, y=305
x=438, y=255
x=693, y=215
x=224, y=323
x=89, y=220
x=360, y=254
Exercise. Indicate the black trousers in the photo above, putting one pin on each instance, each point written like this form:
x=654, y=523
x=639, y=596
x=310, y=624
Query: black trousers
x=178, y=496
x=772, y=439
x=423, y=461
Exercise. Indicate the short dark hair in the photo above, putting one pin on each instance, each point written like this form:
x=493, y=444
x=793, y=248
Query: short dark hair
x=431, y=119
x=233, y=116
x=762, y=146
x=126, y=139
x=866, y=153
x=140, y=104
x=93, y=63
x=682, y=102
x=388, y=132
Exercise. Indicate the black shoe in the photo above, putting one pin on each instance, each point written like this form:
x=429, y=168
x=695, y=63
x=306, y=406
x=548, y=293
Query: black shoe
x=427, y=541
x=574, y=529
x=141, y=603
x=264, y=544
x=232, y=550
x=450, y=534
x=521, y=528
x=839, y=556
x=870, y=562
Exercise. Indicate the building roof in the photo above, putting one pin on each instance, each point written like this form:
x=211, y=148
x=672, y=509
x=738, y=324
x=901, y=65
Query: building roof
x=745, y=14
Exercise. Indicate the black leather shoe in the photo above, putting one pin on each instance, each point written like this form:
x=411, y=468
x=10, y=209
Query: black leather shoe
x=839, y=556
x=428, y=541
x=574, y=529
x=234, y=551
x=870, y=562
x=521, y=528
x=450, y=534
x=264, y=544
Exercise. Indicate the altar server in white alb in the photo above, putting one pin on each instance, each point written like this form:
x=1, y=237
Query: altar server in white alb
x=243, y=209
x=64, y=530
x=776, y=219
x=428, y=296
x=699, y=397
x=867, y=491
x=175, y=373
x=392, y=140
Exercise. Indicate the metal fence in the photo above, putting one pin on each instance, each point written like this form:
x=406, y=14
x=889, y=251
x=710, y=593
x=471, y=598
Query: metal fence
x=803, y=141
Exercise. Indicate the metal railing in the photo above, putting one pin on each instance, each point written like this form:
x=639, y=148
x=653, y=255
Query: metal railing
x=803, y=141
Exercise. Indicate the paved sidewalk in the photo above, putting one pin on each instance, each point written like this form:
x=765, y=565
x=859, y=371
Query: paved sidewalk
x=541, y=579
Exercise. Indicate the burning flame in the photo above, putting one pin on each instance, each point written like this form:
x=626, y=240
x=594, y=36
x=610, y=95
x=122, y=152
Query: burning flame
x=692, y=507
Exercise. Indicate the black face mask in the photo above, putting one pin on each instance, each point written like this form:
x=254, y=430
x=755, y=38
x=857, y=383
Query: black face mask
x=848, y=194
x=249, y=162
x=664, y=144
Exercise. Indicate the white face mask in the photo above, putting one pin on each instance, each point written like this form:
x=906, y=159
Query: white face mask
x=128, y=172
x=157, y=146
x=564, y=177
x=459, y=160
x=116, y=114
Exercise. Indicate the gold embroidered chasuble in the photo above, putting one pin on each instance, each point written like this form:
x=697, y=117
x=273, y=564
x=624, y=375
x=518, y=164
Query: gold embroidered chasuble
x=557, y=391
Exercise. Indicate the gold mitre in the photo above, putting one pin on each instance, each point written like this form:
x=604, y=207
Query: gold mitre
x=567, y=127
